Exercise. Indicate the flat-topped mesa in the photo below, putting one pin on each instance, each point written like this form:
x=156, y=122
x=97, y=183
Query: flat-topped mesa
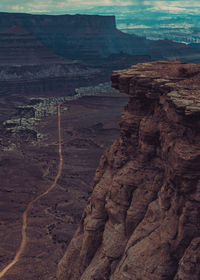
x=62, y=24
x=175, y=82
x=95, y=39
x=142, y=219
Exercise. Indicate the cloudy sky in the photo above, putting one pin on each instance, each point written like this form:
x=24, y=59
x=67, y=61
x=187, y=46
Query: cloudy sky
x=59, y=6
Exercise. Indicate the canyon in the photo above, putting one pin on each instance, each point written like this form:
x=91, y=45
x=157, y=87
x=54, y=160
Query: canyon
x=43, y=55
x=28, y=166
x=92, y=38
x=142, y=218
x=27, y=117
x=28, y=67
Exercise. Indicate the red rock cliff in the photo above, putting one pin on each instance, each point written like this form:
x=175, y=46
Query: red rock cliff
x=142, y=219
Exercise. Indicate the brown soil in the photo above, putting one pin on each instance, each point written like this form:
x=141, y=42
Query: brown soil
x=89, y=126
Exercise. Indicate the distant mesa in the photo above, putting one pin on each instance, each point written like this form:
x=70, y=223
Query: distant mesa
x=53, y=46
x=27, y=66
x=92, y=38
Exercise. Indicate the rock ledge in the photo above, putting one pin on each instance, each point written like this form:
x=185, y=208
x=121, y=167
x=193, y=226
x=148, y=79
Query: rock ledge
x=142, y=219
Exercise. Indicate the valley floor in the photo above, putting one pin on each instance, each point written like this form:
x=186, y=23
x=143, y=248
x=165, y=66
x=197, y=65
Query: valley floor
x=89, y=126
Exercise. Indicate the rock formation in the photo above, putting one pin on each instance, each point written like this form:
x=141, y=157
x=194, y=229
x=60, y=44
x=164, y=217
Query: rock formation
x=92, y=90
x=92, y=38
x=84, y=37
x=19, y=47
x=142, y=219
x=28, y=67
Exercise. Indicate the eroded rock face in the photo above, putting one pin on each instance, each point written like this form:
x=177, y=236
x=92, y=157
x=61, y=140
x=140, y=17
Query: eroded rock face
x=142, y=219
x=28, y=67
x=94, y=39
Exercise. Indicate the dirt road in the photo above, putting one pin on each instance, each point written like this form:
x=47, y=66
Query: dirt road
x=22, y=247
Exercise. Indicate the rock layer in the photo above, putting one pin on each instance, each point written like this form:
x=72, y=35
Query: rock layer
x=28, y=67
x=19, y=47
x=142, y=219
x=92, y=38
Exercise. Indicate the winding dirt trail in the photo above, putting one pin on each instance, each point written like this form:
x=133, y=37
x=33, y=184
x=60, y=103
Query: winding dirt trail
x=22, y=246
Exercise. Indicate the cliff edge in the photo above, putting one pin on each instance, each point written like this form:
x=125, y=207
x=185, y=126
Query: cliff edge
x=142, y=219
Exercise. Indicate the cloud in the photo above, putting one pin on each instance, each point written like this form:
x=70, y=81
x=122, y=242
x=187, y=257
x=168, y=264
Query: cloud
x=61, y=5
x=133, y=26
x=168, y=8
x=176, y=7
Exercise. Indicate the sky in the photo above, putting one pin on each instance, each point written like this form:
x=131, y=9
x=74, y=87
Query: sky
x=63, y=6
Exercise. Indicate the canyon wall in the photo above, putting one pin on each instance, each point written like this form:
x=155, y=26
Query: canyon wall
x=47, y=80
x=84, y=37
x=28, y=67
x=142, y=219
x=61, y=23
x=92, y=38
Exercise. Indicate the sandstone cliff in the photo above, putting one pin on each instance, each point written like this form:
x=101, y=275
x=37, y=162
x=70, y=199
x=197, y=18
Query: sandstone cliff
x=142, y=219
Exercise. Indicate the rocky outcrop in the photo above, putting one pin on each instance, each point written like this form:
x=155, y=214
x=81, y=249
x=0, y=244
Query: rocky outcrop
x=142, y=219
x=92, y=90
